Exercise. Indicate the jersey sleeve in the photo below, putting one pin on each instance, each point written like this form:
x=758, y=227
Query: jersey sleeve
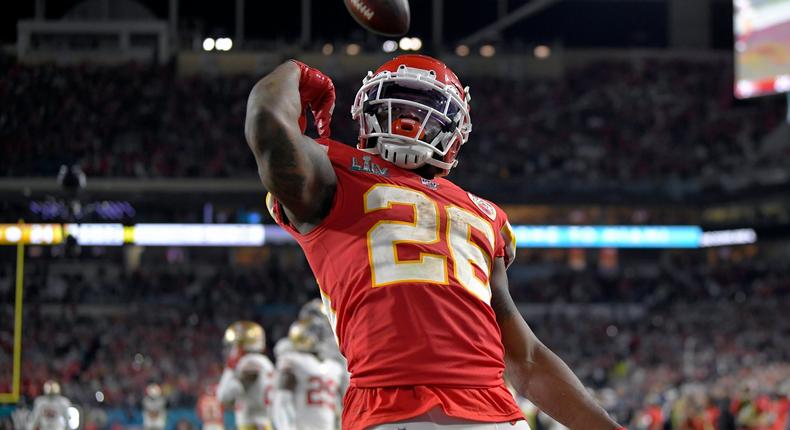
x=289, y=362
x=506, y=239
x=277, y=211
x=229, y=387
x=254, y=362
x=282, y=347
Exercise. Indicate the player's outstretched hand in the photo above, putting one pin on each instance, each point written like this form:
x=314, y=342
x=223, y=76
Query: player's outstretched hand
x=317, y=93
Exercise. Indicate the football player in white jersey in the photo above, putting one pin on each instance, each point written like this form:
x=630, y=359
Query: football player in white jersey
x=50, y=411
x=316, y=309
x=154, y=410
x=248, y=379
x=313, y=310
x=309, y=385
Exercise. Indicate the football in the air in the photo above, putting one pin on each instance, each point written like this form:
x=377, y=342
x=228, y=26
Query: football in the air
x=385, y=17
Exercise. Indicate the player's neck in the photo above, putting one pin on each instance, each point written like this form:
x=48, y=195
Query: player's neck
x=426, y=171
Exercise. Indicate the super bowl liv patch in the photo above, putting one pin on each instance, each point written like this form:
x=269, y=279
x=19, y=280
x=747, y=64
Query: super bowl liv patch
x=368, y=166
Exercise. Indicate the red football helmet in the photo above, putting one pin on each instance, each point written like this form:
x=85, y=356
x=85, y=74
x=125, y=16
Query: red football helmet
x=413, y=111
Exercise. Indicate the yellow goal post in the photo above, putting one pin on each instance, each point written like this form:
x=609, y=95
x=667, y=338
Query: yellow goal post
x=13, y=396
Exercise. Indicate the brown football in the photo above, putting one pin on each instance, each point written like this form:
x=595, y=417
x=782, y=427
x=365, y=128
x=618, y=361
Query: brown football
x=385, y=17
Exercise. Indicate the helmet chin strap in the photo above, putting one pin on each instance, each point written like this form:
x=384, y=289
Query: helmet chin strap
x=407, y=155
x=402, y=153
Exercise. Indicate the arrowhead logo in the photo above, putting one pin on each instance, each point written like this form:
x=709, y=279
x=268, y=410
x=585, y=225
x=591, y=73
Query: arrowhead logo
x=484, y=206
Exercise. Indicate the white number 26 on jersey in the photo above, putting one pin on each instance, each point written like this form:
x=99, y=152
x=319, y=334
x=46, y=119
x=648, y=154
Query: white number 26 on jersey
x=424, y=229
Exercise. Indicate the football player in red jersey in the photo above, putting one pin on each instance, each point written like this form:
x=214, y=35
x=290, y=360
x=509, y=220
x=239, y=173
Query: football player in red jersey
x=412, y=268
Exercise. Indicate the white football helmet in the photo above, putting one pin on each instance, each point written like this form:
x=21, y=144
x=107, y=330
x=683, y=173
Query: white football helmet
x=413, y=111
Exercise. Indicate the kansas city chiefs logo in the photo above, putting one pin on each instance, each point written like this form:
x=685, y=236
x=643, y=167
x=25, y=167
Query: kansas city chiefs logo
x=484, y=206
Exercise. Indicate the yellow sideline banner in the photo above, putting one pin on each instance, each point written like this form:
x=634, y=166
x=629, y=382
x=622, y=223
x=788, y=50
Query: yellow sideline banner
x=32, y=234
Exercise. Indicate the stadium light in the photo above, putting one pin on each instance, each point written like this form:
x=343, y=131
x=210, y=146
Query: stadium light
x=527, y=236
x=410, y=43
x=782, y=84
x=462, y=50
x=542, y=52
x=746, y=88
x=13, y=234
x=328, y=49
x=389, y=46
x=73, y=417
x=353, y=49
x=741, y=236
x=224, y=44
x=208, y=44
x=487, y=51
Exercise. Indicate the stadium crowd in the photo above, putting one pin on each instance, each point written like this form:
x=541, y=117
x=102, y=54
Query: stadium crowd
x=678, y=338
x=689, y=337
x=612, y=122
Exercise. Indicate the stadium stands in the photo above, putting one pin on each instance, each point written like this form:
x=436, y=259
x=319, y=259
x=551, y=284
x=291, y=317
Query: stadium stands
x=592, y=128
x=693, y=322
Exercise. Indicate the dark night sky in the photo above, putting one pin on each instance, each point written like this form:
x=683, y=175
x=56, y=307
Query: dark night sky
x=574, y=23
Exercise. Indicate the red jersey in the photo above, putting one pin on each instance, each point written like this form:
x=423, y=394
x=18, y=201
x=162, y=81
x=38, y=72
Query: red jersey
x=403, y=265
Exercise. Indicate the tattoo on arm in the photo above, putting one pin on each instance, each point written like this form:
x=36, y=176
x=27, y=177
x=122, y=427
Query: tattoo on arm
x=292, y=166
x=278, y=166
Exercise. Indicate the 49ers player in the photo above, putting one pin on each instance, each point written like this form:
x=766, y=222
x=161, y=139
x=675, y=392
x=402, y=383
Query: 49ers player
x=248, y=378
x=309, y=383
x=313, y=312
x=50, y=411
x=154, y=408
x=412, y=267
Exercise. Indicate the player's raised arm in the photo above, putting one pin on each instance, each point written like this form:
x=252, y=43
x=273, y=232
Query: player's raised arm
x=537, y=373
x=292, y=166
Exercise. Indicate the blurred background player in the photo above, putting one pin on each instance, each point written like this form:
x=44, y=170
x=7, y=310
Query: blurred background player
x=248, y=377
x=209, y=409
x=309, y=384
x=308, y=311
x=313, y=311
x=154, y=408
x=51, y=410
